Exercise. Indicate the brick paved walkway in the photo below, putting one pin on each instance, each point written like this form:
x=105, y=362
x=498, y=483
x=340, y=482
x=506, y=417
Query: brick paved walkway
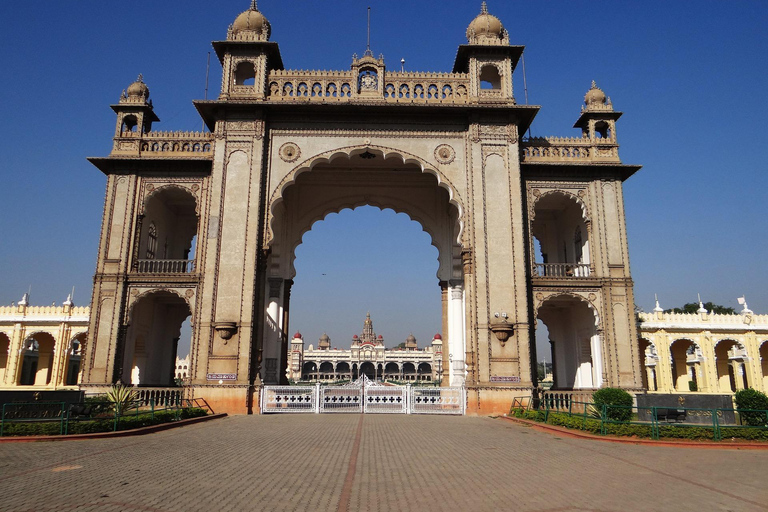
x=373, y=462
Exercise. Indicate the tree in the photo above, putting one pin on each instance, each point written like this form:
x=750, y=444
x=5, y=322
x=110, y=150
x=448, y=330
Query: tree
x=693, y=307
x=400, y=345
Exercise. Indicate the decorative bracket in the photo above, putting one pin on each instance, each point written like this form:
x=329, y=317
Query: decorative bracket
x=503, y=330
x=225, y=329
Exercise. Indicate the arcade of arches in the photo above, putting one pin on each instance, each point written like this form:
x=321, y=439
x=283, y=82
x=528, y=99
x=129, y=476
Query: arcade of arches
x=42, y=346
x=206, y=223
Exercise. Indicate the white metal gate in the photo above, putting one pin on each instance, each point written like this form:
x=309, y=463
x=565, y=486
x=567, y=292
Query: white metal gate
x=363, y=395
x=348, y=398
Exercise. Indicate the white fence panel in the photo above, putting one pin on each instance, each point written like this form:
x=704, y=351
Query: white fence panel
x=386, y=399
x=436, y=400
x=288, y=399
x=347, y=398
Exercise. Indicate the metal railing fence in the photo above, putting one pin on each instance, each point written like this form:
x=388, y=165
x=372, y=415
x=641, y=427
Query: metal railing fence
x=654, y=422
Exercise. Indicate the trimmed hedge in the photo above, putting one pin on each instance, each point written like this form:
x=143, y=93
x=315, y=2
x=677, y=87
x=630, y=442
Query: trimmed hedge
x=753, y=403
x=641, y=431
x=100, y=425
x=614, y=397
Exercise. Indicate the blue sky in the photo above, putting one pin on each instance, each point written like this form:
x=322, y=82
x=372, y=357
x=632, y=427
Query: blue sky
x=691, y=79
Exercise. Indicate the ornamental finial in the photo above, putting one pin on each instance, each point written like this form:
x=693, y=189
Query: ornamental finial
x=140, y=79
x=254, y=5
x=484, y=8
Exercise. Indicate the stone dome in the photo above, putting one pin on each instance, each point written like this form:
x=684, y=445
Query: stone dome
x=595, y=96
x=485, y=28
x=252, y=20
x=325, y=337
x=138, y=89
x=411, y=338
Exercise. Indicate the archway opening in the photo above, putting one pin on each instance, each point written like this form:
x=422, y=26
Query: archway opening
x=74, y=356
x=37, y=360
x=686, y=365
x=561, y=241
x=387, y=243
x=168, y=232
x=730, y=358
x=648, y=354
x=368, y=369
x=152, y=339
x=575, y=344
x=490, y=78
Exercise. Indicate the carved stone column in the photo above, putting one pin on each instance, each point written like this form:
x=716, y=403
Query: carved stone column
x=283, y=378
x=444, y=302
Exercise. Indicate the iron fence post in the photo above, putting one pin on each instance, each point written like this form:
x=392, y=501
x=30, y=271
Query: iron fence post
x=715, y=425
x=317, y=398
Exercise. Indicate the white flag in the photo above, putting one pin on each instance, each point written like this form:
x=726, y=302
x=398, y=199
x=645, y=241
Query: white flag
x=741, y=301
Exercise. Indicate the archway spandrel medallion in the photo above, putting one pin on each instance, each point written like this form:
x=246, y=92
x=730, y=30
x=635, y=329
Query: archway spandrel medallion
x=289, y=152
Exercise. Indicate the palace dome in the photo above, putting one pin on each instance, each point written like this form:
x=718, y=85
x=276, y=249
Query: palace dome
x=252, y=20
x=595, y=95
x=138, y=89
x=437, y=337
x=325, y=337
x=411, y=338
x=485, y=28
x=297, y=335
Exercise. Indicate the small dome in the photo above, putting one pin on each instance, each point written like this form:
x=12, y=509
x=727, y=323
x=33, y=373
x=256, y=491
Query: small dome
x=354, y=337
x=297, y=335
x=595, y=95
x=437, y=337
x=485, y=28
x=381, y=337
x=325, y=337
x=252, y=21
x=411, y=338
x=138, y=89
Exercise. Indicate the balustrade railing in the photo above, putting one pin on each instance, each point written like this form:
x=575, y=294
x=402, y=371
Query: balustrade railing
x=562, y=270
x=341, y=86
x=166, y=397
x=562, y=149
x=166, y=266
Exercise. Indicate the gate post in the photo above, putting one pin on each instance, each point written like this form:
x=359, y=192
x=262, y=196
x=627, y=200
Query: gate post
x=407, y=399
x=317, y=398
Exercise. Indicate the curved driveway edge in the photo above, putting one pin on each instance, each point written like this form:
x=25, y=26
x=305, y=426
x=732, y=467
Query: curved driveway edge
x=120, y=433
x=566, y=432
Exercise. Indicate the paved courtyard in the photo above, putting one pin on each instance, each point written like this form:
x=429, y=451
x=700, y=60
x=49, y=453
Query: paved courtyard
x=373, y=462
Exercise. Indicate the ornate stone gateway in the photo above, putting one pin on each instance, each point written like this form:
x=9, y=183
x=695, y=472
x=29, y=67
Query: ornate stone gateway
x=363, y=395
x=205, y=225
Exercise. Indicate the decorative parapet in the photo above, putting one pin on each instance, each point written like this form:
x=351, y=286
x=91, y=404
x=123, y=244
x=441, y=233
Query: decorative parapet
x=570, y=150
x=702, y=321
x=342, y=86
x=21, y=313
x=163, y=144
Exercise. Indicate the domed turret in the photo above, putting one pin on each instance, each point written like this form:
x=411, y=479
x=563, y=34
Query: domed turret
x=410, y=341
x=250, y=25
x=486, y=29
x=138, y=89
x=324, y=342
x=595, y=96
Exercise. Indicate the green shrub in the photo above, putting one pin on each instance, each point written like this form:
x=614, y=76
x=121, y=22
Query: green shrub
x=692, y=386
x=91, y=426
x=617, y=401
x=749, y=398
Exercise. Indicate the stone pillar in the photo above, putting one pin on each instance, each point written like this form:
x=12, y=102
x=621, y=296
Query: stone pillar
x=283, y=366
x=444, y=327
x=456, y=349
x=467, y=268
x=273, y=330
x=15, y=355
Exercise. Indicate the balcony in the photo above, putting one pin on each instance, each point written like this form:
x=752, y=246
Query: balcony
x=166, y=266
x=562, y=270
